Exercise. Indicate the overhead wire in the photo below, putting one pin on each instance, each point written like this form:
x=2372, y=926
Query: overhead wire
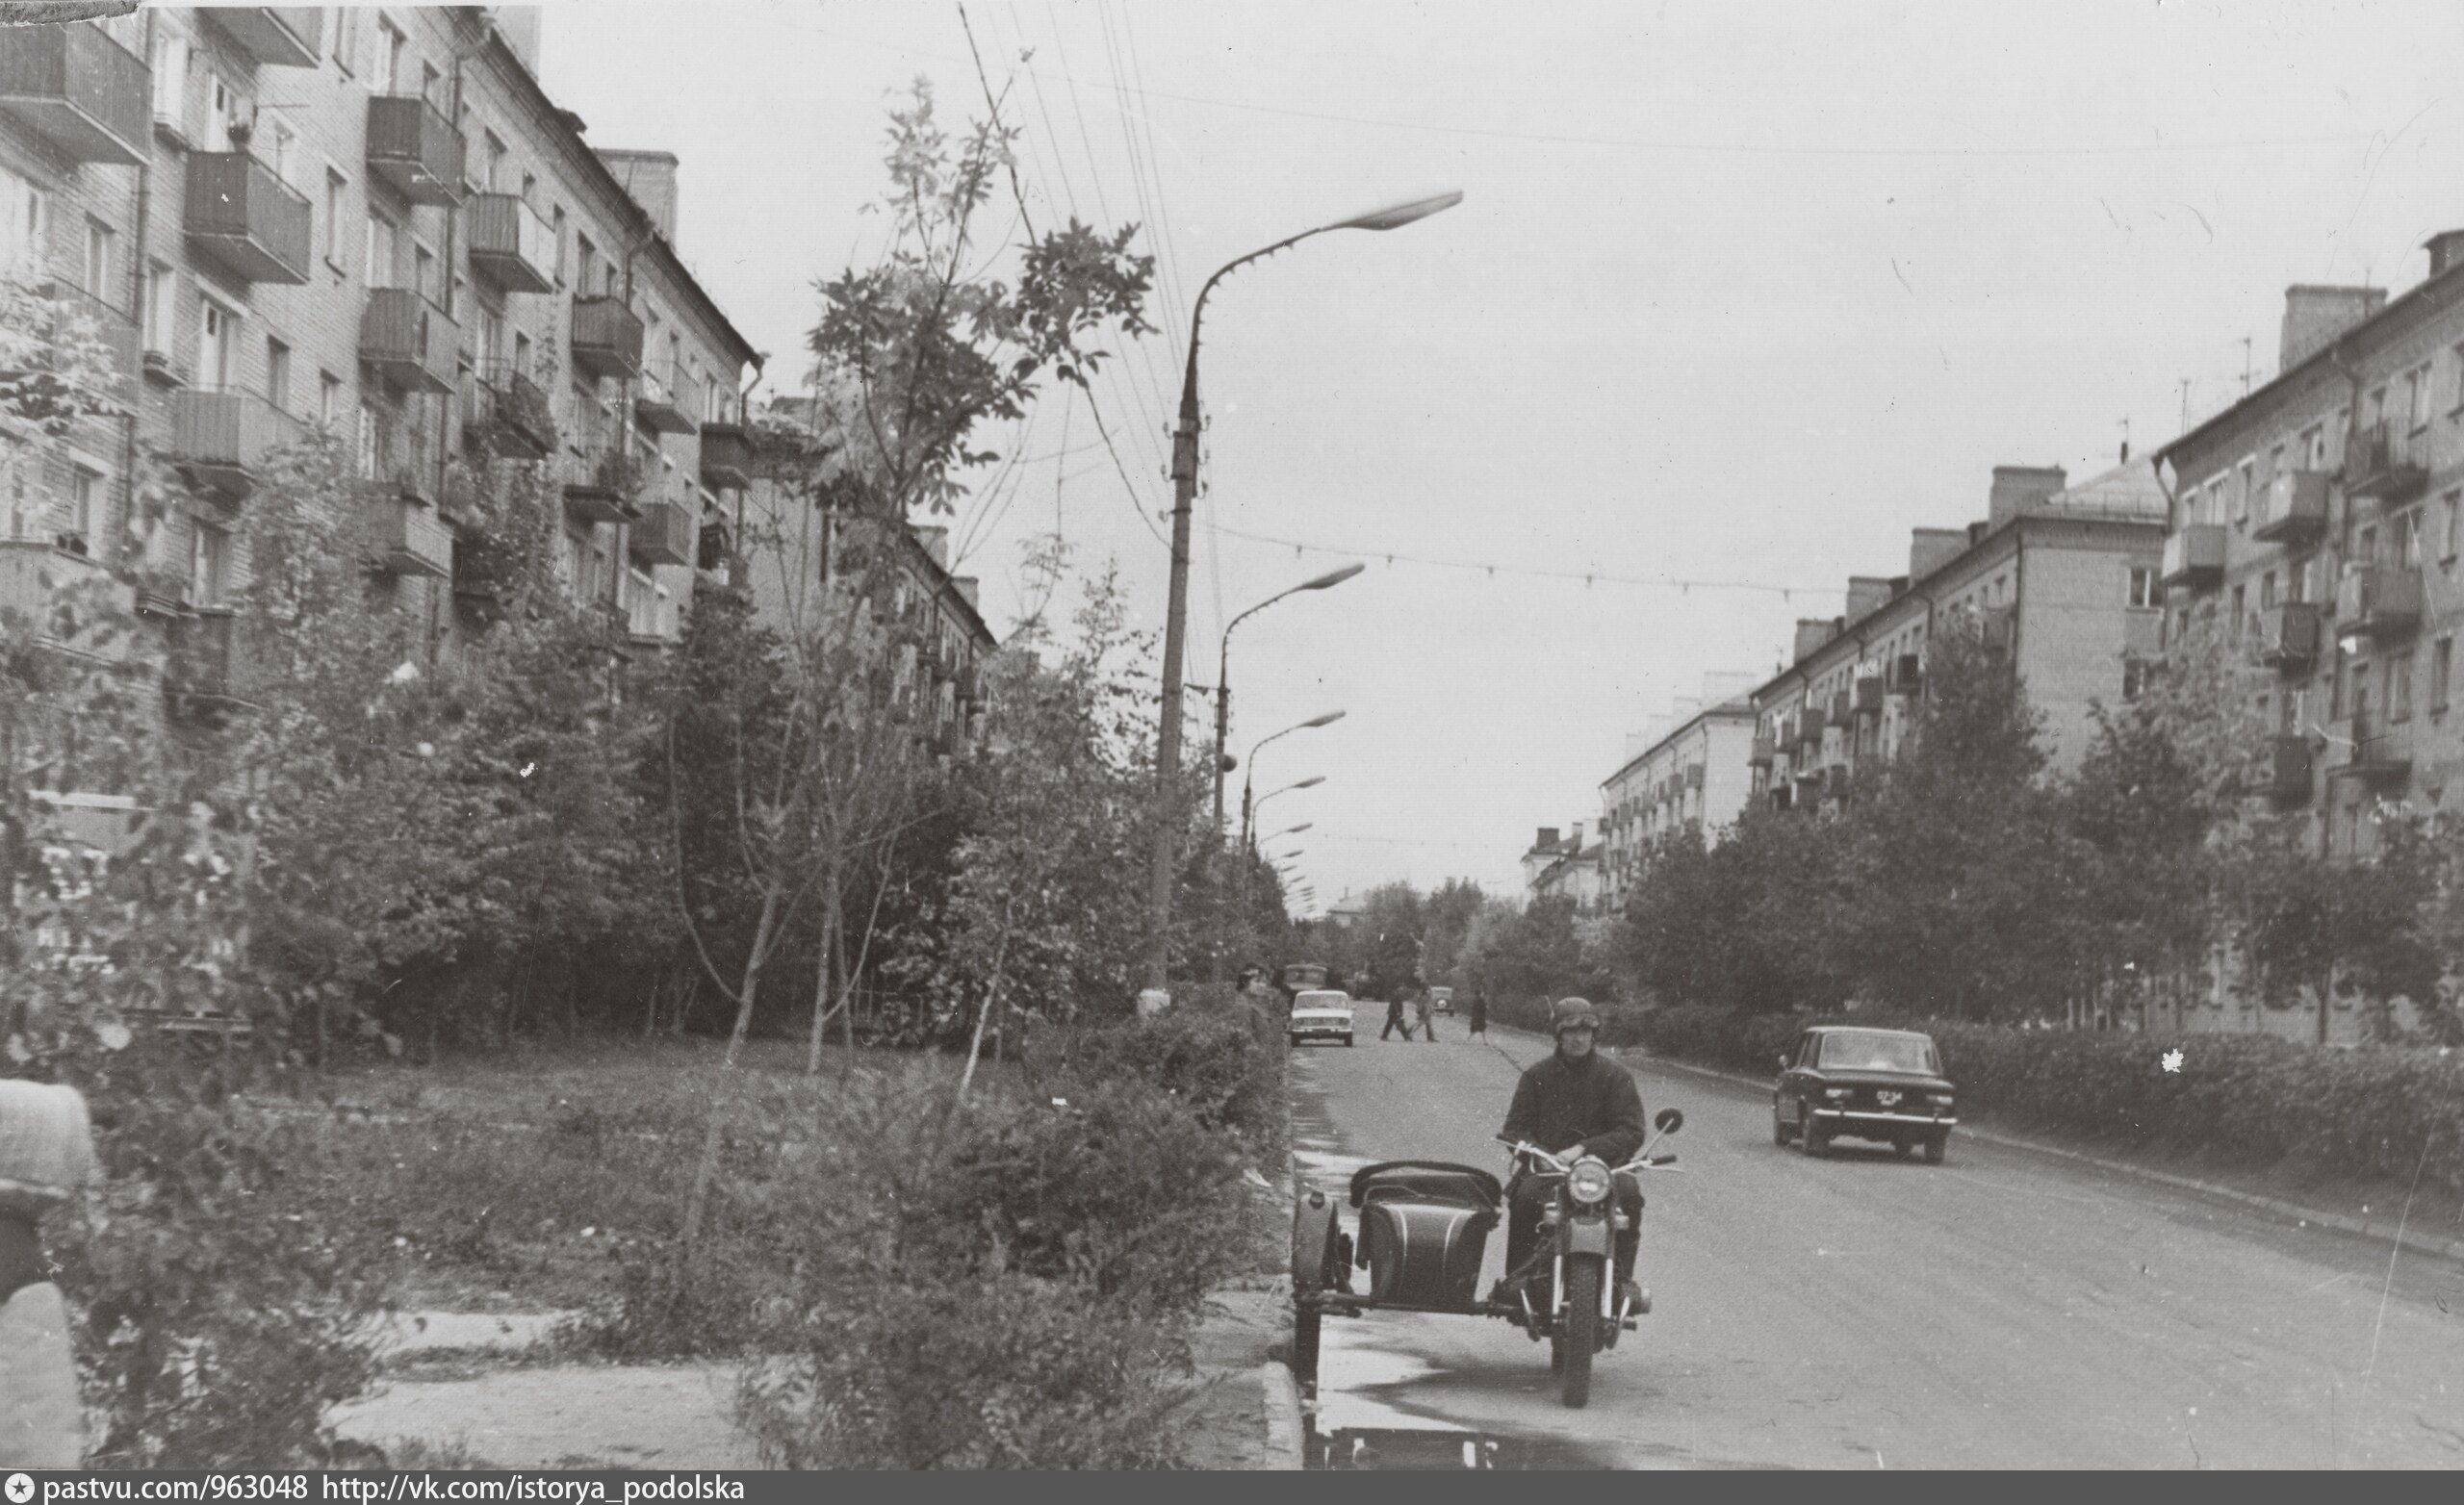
x=1587, y=576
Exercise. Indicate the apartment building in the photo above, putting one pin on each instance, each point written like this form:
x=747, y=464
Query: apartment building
x=791, y=539
x=1564, y=867
x=1687, y=773
x=374, y=224
x=2061, y=578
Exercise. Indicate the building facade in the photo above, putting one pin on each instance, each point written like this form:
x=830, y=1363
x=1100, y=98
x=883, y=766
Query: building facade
x=1563, y=867
x=1692, y=777
x=2062, y=578
x=373, y=223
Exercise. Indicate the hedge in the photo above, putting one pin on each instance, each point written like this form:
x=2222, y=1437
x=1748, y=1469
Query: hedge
x=2239, y=1100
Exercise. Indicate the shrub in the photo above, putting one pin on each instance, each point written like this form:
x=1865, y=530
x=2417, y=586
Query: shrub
x=1212, y=1061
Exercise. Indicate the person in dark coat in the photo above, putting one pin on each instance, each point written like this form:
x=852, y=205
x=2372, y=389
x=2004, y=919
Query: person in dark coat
x=1575, y=1102
x=1426, y=1007
x=1395, y=1020
x=1479, y=1016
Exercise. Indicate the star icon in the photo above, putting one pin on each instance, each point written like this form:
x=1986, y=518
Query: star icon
x=2171, y=1060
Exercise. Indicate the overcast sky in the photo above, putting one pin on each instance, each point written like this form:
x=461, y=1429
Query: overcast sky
x=1738, y=294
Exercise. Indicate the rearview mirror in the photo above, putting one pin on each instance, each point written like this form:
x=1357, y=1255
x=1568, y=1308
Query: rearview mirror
x=1668, y=1120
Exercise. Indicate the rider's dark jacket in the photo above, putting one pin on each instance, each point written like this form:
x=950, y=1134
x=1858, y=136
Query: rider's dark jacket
x=1592, y=1101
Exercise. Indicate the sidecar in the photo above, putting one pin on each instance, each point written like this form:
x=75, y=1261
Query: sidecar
x=1424, y=1228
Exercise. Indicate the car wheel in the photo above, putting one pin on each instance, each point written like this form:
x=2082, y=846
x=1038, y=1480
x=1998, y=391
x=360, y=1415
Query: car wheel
x=1901, y=1147
x=1811, y=1141
x=1347, y=1042
x=1934, y=1147
x=1296, y=1042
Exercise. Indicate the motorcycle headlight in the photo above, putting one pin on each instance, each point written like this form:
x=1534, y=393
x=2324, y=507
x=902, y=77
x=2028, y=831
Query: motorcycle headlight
x=1589, y=1182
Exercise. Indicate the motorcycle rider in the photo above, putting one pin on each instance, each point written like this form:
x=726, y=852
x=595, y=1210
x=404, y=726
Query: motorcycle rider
x=1576, y=1102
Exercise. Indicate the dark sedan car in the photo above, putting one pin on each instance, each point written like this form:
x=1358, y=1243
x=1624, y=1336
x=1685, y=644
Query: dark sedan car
x=1851, y=1082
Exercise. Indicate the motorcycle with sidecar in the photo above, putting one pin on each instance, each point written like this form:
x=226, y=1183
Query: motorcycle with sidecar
x=1424, y=1228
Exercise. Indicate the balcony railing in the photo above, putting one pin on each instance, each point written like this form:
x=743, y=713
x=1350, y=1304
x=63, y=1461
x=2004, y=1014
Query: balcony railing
x=510, y=245
x=80, y=89
x=2385, y=460
x=405, y=535
x=509, y=410
x=2295, y=508
x=2379, y=602
x=68, y=599
x=211, y=668
x=411, y=342
x=401, y=455
x=607, y=338
x=1906, y=675
x=224, y=438
x=726, y=456
x=2372, y=747
x=1869, y=694
x=1760, y=755
x=413, y=147
x=2195, y=555
x=668, y=399
x=2289, y=769
x=2288, y=636
x=664, y=535
x=276, y=36
x=601, y=485
x=244, y=215
x=81, y=362
x=1809, y=727
x=1843, y=705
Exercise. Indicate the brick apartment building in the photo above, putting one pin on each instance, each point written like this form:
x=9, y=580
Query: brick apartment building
x=1687, y=773
x=371, y=222
x=2063, y=578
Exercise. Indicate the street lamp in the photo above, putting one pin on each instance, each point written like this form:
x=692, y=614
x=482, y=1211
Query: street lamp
x=1168, y=735
x=1224, y=669
x=1249, y=768
x=1309, y=783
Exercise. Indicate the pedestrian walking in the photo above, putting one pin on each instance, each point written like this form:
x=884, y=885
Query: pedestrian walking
x=1426, y=1007
x=1395, y=1019
x=1479, y=1014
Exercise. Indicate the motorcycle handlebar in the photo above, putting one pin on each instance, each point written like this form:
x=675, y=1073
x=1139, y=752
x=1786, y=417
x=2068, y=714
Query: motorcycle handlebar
x=1643, y=1162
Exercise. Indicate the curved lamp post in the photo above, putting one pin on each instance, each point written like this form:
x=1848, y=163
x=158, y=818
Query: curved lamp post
x=1168, y=732
x=1248, y=853
x=1224, y=669
x=1327, y=720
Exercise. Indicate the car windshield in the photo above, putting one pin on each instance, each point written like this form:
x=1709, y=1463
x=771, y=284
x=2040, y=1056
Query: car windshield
x=1859, y=1052
x=1326, y=1000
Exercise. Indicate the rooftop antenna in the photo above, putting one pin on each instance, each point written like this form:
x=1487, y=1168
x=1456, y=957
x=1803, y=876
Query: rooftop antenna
x=2186, y=405
x=2125, y=438
x=2246, y=365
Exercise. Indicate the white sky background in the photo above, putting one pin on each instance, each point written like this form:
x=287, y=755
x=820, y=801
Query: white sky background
x=1739, y=293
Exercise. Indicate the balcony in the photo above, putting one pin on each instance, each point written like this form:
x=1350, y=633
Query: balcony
x=274, y=36
x=1906, y=675
x=2194, y=556
x=411, y=342
x=2371, y=747
x=2288, y=636
x=1809, y=727
x=607, y=339
x=2378, y=601
x=600, y=485
x=248, y=218
x=1693, y=776
x=664, y=535
x=1843, y=705
x=2386, y=461
x=212, y=669
x=413, y=147
x=508, y=410
x=80, y=362
x=80, y=91
x=2142, y=634
x=405, y=535
x=668, y=399
x=2294, y=509
x=726, y=456
x=1869, y=694
x=1760, y=755
x=510, y=245
x=2289, y=769
x=69, y=599
x=223, y=439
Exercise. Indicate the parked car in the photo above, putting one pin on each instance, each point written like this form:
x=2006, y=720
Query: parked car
x=1852, y=1081
x=1321, y=1013
x=1442, y=999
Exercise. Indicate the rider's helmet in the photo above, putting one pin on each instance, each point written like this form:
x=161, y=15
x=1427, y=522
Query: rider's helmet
x=1571, y=1013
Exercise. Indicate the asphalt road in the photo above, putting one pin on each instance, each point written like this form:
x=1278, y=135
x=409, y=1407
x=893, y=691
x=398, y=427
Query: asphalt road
x=2003, y=1309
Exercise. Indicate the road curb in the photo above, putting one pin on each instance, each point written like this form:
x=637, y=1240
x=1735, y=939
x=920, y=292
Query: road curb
x=1284, y=1431
x=2363, y=1227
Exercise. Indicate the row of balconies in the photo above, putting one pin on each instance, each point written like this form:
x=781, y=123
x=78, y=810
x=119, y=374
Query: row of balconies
x=2385, y=460
x=2368, y=747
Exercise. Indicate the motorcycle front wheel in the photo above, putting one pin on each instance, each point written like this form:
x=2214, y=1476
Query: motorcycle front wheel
x=1579, y=1332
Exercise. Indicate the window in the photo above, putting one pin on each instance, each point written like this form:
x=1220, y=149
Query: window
x=25, y=221
x=491, y=336
x=221, y=104
x=2442, y=664
x=2297, y=710
x=2361, y=692
x=2244, y=483
x=384, y=245
x=2314, y=446
x=2417, y=395
x=368, y=424
x=2302, y=584
x=2453, y=515
x=216, y=325
x=278, y=373
x=2267, y=590
x=390, y=43
x=431, y=81
x=2336, y=692
x=588, y=281
x=2134, y=678
x=2399, y=682
x=84, y=501
x=520, y=353
x=162, y=290
x=2233, y=628
x=281, y=148
x=329, y=399
x=2366, y=545
x=423, y=272
x=209, y=564
x=556, y=222
x=101, y=259
x=492, y=154
x=347, y=38
x=337, y=190
x=171, y=63
x=2408, y=540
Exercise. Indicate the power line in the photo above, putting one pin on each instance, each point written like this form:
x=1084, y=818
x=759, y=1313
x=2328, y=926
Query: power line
x=1586, y=577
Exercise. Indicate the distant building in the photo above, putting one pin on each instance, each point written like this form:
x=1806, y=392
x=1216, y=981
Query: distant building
x=1688, y=773
x=1566, y=867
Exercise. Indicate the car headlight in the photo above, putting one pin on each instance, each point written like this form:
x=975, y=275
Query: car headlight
x=1835, y=1094
x=1939, y=1099
x=1589, y=1182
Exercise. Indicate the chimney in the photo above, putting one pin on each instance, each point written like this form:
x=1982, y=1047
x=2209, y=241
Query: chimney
x=1929, y=548
x=2315, y=315
x=1812, y=634
x=936, y=544
x=650, y=177
x=967, y=587
x=1548, y=841
x=1574, y=842
x=2446, y=250
x=1977, y=530
x=2019, y=489
x=1865, y=593
x=518, y=25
